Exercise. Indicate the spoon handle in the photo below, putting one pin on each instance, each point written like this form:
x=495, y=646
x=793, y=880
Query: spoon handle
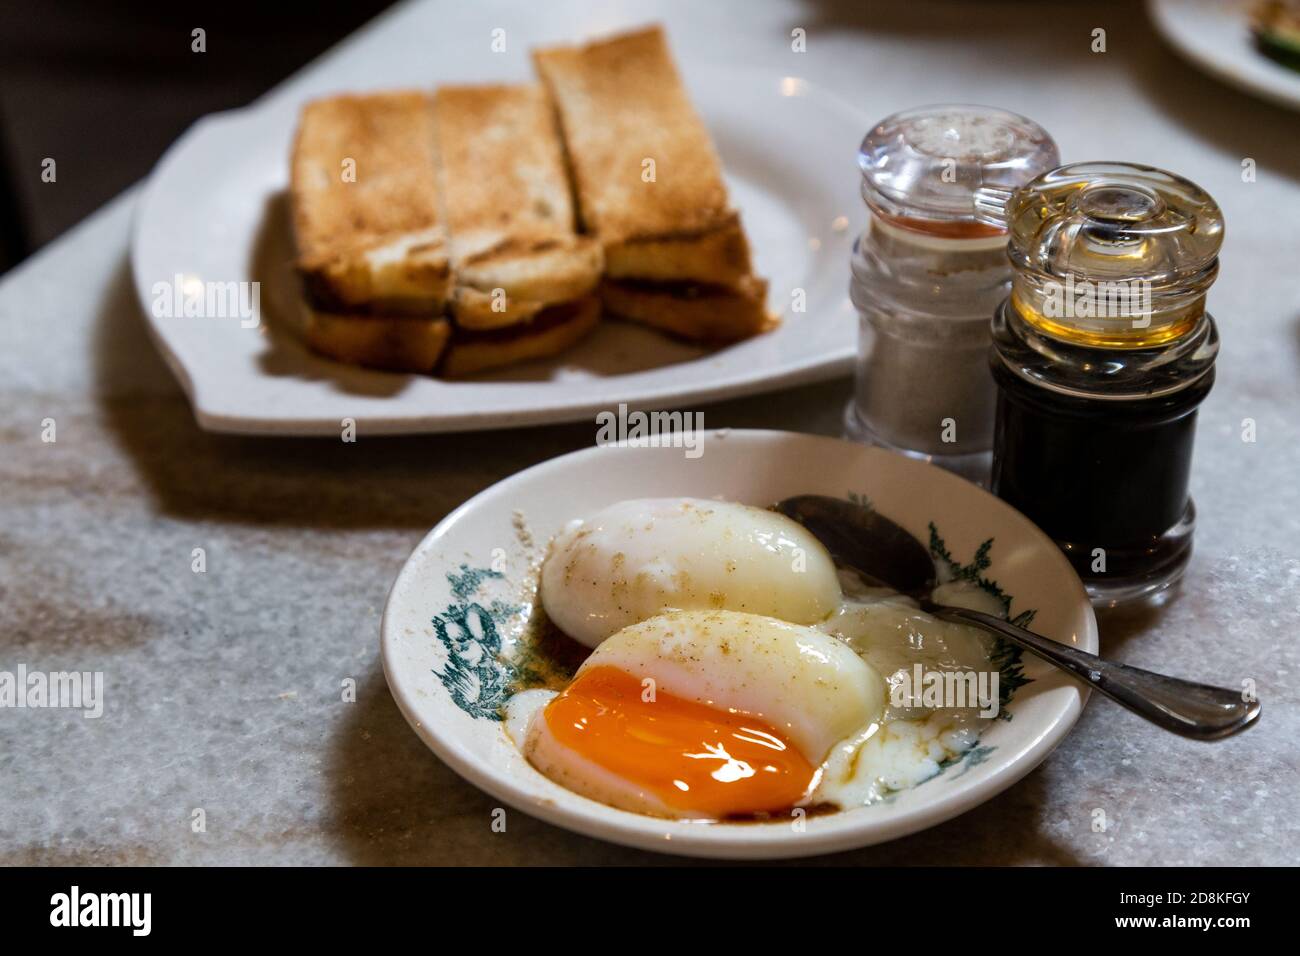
x=1187, y=708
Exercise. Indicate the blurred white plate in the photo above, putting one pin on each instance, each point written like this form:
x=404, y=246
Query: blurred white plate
x=1215, y=35
x=214, y=211
x=465, y=594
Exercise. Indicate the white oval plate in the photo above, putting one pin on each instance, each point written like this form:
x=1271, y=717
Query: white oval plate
x=1215, y=36
x=214, y=211
x=448, y=613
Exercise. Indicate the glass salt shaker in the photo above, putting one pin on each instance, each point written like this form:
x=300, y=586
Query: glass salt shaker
x=1102, y=354
x=927, y=274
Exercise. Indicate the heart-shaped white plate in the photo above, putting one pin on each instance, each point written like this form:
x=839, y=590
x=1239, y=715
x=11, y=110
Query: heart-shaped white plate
x=214, y=213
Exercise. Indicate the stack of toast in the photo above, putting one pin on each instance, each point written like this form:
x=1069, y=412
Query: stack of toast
x=438, y=233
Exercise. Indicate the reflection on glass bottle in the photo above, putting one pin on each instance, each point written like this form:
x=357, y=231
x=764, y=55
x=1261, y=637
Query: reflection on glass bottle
x=1101, y=354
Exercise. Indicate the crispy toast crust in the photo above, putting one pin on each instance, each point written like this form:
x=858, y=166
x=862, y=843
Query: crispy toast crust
x=384, y=342
x=381, y=234
x=554, y=330
x=509, y=211
x=719, y=257
x=711, y=315
x=526, y=275
x=503, y=166
x=621, y=103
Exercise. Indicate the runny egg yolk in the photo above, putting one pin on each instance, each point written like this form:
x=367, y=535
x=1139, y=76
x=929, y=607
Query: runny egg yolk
x=693, y=757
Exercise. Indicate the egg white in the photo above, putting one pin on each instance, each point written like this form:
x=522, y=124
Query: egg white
x=638, y=558
x=911, y=743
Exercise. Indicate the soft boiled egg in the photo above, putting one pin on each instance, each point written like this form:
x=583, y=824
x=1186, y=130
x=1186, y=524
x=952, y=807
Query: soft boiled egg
x=703, y=714
x=638, y=558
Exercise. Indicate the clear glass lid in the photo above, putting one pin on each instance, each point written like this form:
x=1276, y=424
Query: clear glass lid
x=928, y=168
x=1112, y=254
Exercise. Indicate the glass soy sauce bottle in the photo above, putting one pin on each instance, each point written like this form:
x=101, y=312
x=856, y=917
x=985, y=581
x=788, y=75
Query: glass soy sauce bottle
x=1101, y=354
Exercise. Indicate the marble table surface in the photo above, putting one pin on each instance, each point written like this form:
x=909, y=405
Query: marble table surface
x=222, y=689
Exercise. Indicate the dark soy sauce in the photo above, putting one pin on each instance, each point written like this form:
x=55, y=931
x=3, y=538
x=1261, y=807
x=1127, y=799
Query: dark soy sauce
x=1108, y=475
x=1101, y=355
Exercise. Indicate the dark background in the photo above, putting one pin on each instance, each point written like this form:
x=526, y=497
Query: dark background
x=104, y=86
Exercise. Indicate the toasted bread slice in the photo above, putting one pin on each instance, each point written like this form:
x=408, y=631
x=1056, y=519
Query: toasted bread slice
x=505, y=189
x=483, y=311
x=719, y=257
x=622, y=104
x=399, y=344
x=512, y=281
x=650, y=187
x=552, y=331
x=365, y=207
x=711, y=315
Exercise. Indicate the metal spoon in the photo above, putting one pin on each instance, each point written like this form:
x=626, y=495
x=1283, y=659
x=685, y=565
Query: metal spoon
x=885, y=554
